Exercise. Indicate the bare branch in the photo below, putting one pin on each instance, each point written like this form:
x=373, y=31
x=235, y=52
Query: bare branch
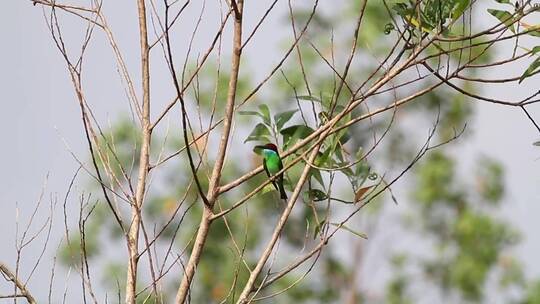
x=12, y=277
x=144, y=164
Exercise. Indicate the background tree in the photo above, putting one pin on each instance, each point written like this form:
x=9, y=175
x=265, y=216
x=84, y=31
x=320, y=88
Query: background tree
x=349, y=128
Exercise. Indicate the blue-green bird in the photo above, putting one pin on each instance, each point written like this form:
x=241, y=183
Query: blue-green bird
x=272, y=164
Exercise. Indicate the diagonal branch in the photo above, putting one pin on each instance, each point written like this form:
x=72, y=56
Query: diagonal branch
x=279, y=227
x=11, y=276
x=213, y=189
x=180, y=97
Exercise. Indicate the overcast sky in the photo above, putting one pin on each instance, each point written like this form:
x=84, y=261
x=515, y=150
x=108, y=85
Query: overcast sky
x=39, y=111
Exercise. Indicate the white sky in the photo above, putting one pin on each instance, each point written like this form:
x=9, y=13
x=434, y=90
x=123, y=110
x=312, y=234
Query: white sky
x=39, y=108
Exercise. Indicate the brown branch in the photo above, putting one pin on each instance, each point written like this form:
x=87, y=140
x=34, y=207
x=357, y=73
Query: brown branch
x=136, y=217
x=353, y=104
x=261, y=20
x=213, y=189
x=76, y=80
x=195, y=73
x=300, y=58
x=531, y=119
x=22, y=287
x=324, y=240
x=248, y=97
x=526, y=101
x=279, y=227
x=351, y=56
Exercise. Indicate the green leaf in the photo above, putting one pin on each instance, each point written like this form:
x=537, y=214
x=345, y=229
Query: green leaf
x=460, y=8
x=316, y=195
x=346, y=168
x=409, y=15
x=504, y=1
x=362, y=172
x=436, y=12
x=535, y=33
x=322, y=158
x=308, y=98
x=531, y=70
x=252, y=113
x=359, y=153
x=532, y=30
x=345, y=138
x=534, y=50
x=388, y=28
x=265, y=112
x=293, y=133
x=338, y=153
x=282, y=118
x=247, y=113
x=402, y=9
x=259, y=133
x=317, y=175
x=318, y=228
x=349, y=173
x=301, y=130
x=504, y=17
x=266, y=189
x=360, y=234
x=258, y=150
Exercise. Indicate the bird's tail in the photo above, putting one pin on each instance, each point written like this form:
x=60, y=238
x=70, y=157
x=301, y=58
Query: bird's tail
x=282, y=191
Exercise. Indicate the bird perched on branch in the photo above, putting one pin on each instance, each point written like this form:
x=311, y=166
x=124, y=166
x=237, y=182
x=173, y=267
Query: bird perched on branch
x=272, y=164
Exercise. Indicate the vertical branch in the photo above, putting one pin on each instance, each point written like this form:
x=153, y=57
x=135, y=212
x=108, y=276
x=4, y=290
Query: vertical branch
x=133, y=235
x=213, y=189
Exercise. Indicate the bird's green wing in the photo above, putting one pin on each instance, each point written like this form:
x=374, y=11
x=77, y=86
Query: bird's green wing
x=268, y=173
x=266, y=169
x=280, y=189
x=280, y=164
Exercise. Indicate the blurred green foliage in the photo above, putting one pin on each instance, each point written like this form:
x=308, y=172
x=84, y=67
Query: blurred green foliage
x=466, y=243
